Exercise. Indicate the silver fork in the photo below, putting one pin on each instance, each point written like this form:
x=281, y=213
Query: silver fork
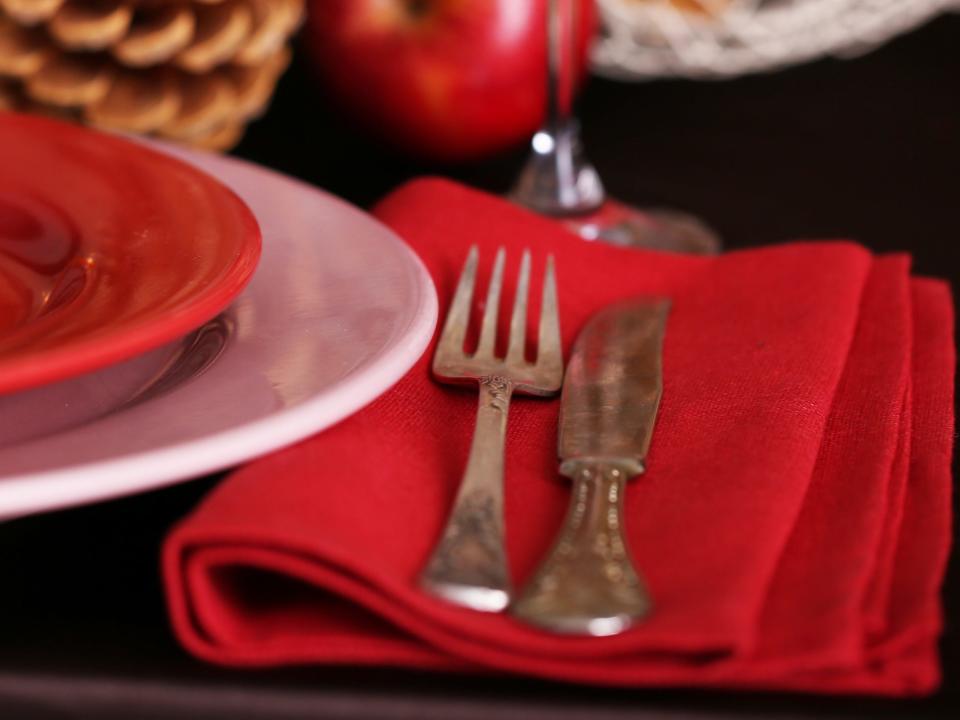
x=469, y=564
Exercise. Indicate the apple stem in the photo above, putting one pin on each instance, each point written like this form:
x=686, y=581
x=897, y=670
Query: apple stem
x=418, y=8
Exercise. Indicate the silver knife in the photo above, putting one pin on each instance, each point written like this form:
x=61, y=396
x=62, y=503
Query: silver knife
x=588, y=584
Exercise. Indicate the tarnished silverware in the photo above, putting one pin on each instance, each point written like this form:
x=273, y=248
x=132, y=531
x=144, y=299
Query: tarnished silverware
x=469, y=565
x=588, y=584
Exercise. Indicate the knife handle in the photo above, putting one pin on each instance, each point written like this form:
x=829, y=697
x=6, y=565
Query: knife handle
x=588, y=584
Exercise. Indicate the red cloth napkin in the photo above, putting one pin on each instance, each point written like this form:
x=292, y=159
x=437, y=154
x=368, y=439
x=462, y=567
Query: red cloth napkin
x=793, y=525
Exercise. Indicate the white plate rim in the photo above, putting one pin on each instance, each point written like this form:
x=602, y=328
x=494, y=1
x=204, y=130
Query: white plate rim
x=139, y=472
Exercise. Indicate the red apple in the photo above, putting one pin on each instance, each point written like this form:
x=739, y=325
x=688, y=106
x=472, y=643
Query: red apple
x=449, y=80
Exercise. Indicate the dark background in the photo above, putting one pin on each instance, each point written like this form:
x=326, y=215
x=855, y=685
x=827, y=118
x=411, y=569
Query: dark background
x=866, y=148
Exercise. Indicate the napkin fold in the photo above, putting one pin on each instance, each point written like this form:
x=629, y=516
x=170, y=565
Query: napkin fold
x=793, y=524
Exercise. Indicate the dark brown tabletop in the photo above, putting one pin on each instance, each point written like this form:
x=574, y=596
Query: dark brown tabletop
x=866, y=149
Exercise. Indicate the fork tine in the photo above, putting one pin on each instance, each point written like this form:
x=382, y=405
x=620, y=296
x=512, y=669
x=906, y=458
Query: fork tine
x=549, y=350
x=518, y=321
x=458, y=316
x=488, y=329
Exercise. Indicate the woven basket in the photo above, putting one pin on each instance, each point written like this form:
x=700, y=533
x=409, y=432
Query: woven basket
x=646, y=39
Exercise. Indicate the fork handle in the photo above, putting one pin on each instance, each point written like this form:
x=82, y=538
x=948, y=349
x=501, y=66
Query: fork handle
x=588, y=583
x=469, y=564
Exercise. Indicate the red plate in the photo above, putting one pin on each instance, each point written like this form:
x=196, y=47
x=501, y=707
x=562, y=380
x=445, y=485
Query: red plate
x=107, y=250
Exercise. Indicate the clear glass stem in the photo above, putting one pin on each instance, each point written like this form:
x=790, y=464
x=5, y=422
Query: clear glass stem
x=558, y=179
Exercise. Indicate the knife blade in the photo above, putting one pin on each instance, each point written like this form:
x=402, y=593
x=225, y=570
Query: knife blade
x=612, y=389
x=611, y=394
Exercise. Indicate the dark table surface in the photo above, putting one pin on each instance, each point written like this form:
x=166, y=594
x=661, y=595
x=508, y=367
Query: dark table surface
x=866, y=148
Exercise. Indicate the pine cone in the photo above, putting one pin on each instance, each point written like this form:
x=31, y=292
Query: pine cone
x=195, y=71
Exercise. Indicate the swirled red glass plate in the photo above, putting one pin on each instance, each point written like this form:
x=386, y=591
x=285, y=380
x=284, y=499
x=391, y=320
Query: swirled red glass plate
x=107, y=250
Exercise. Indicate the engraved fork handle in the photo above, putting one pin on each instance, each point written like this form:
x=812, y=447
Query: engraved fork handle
x=588, y=583
x=469, y=565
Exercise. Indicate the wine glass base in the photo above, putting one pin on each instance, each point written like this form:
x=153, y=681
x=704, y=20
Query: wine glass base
x=649, y=229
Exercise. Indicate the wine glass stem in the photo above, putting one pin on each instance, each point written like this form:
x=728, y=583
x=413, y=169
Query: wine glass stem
x=560, y=59
x=557, y=179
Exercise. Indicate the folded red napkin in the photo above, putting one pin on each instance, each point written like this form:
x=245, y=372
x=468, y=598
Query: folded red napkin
x=793, y=524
